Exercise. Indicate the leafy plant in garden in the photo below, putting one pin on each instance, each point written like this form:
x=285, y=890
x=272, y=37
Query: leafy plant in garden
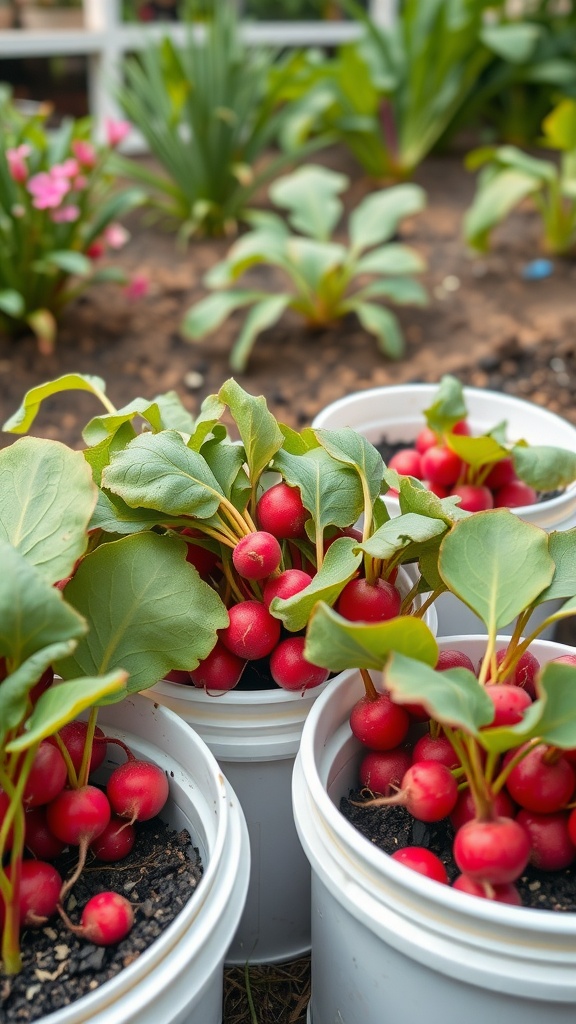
x=497, y=736
x=392, y=96
x=327, y=278
x=59, y=210
x=208, y=115
x=484, y=471
x=510, y=176
x=110, y=615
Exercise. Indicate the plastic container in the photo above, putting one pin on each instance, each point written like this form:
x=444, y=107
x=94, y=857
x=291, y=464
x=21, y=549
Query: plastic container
x=179, y=979
x=255, y=737
x=396, y=414
x=391, y=945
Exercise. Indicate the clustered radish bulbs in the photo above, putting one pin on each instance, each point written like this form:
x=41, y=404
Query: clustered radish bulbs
x=276, y=560
x=483, y=471
x=520, y=810
x=101, y=820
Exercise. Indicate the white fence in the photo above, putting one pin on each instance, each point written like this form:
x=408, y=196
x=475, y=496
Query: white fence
x=105, y=39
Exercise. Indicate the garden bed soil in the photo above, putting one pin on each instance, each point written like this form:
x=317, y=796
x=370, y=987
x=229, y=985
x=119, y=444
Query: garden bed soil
x=486, y=323
x=158, y=877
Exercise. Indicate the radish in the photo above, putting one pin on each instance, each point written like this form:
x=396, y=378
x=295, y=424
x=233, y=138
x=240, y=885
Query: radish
x=428, y=791
x=38, y=836
x=494, y=851
x=291, y=670
x=507, y=893
x=115, y=842
x=453, y=659
x=106, y=919
x=379, y=723
x=257, y=556
x=465, y=809
x=252, y=632
x=73, y=736
x=435, y=748
x=540, y=782
x=510, y=703
x=516, y=494
x=77, y=816
x=38, y=892
x=137, y=790
x=441, y=465
x=407, y=462
x=47, y=776
x=418, y=858
x=219, y=670
x=361, y=601
x=474, y=498
x=280, y=512
x=380, y=771
x=287, y=584
x=552, y=848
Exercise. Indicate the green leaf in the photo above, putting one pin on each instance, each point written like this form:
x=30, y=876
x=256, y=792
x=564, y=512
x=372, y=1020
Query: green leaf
x=382, y=323
x=339, y=566
x=158, y=471
x=12, y=303
x=261, y=316
x=211, y=312
x=335, y=643
x=258, y=429
x=562, y=549
x=476, y=451
x=376, y=218
x=560, y=126
x=226, y=461
x=497, y=564
x=47, y=497
x=70, y=262
x=15, y=688
x=402, y=532
x=393, y=259
x=544, y=467
x=310, y=194
x=413, y=497
x=112, y=515
x=63, y=702
x=494, y=201
x=33, y=614
x=448, y=407
x=330, y=490
x=515, y=43
x=454, y=697
x=314, y=260
x=211, y=412
x=351, y=448
x=23, y=418
x=43, y=324
x=148, y=610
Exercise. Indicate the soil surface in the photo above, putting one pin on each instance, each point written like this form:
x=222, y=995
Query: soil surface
x=486, y=322
x=158, y=877
x=393, y=828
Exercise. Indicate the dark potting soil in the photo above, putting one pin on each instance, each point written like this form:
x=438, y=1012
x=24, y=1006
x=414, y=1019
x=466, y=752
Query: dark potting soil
x=158, y=877
x=392, y=828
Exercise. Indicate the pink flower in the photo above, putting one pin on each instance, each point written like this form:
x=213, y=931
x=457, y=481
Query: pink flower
x=80, y=182
x=69, y=169
x=84, y=152
x=116, y=131
x=116, y=236
x=66, y=214
x=48, y=191
x=137, y=288
x=16, y=159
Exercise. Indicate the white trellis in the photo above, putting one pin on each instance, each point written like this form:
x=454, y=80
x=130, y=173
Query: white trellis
x=105, y=39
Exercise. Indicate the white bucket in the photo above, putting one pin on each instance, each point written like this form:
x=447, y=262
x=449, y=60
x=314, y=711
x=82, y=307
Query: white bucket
x=179, y=979
x=389, y=944
x=396, y=414
x=255, y=737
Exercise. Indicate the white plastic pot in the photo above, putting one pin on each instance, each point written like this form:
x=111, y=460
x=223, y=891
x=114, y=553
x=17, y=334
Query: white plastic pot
x=255, y=737
x=179, y=978
x=396, y=414
x=391, y=945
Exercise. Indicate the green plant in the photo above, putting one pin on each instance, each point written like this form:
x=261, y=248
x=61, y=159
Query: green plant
x=508, y=724
x=326, y=276
x=109, y=613
x=58, y=207
x=510, y=176
x=393, y=95
x=209, y=116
